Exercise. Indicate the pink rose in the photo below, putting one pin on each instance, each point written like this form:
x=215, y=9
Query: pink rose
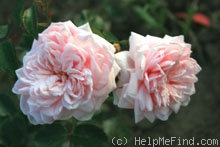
x=157, y=76
x=69, y=71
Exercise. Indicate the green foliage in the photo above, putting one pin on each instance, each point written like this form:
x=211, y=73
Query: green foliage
x=110, y=37
x=50, y=136
x=118, y=128
x=88, y=135
x=106, y=34
x=14, y=131
x=189, y=20
x=7, y=106
x=7, y=57
x=30, y=21
x=154, y=14
x=94, y=19
x=22, y=20
x=3, y=31
x=18, y=11
x=149, y=19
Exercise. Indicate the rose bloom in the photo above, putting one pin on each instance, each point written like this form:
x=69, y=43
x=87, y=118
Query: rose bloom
x=69, y=71
x=157, y=76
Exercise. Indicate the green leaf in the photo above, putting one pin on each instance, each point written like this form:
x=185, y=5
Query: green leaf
x=110, y=37
x=148, y=18
x=6, y=105
x=188, y=21
x=51, y=136
x=14, y=132
x=96, y=31
x=18, y=11
x=117, y=127
x=87, y=135
x=30, y=21
x=1, y=142
x=145, y=15
x=124, y=42
x=3, y=31
x=7, y=57
x=26, y=42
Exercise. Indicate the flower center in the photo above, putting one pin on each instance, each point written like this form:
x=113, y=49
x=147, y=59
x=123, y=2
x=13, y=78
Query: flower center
x=62, y=73
x=63, y=76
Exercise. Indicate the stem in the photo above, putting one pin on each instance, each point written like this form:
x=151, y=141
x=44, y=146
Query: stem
x=70, y=125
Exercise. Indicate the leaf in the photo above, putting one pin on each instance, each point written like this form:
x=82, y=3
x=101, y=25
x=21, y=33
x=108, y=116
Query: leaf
x=117, y=127
x=96, y=31
x=149, y=19
x=18, y=10
x=26, y=42
x=51, y=136
x=7, y=57
x=1, y=142
x=110, y=37
x=87, y=135
x=30, y=21
x=145, y=15
x=14, y=132
x=3, y=31
x=188, y=21
x=6, y=105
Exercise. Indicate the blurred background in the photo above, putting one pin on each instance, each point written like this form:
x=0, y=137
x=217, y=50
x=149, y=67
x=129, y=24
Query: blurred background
x=197, y=20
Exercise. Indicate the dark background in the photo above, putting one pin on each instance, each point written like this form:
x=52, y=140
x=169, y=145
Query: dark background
x=200, y=119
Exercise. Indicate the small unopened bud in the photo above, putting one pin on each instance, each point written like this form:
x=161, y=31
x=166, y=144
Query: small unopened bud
x=117, y=47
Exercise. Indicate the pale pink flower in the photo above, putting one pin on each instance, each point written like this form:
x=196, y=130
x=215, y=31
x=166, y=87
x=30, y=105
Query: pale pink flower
x=69, y=71
x=157, y=76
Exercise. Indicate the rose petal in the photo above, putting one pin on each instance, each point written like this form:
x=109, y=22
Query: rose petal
x=160, y=80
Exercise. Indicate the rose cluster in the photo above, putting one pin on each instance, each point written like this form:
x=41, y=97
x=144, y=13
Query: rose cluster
x=70, y=71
